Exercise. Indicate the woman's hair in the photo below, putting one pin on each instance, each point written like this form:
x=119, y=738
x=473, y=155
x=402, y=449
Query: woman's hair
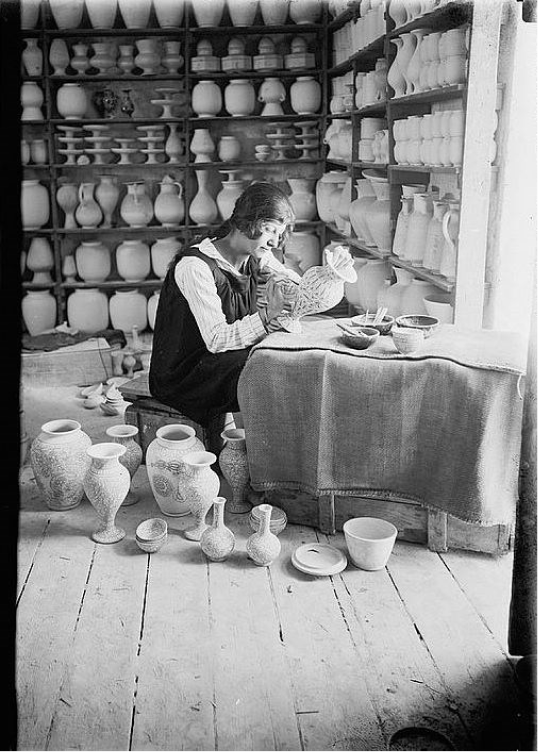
x=259, y=203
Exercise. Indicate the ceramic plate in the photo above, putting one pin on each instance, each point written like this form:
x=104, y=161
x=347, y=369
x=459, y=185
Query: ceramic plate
x=318, y=559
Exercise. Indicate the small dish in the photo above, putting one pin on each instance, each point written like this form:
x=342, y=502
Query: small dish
x=384, y=326
x=151, y=534
x=318, y=559
x=426, y=324
x=361, y=339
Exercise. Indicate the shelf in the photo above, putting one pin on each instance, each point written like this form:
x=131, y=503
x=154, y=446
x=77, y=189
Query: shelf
x=371, y=109
x=264, y=30
x=117, y=166
x=77, y=122
x=268, y=118
x=448, y=16
x=338, y=163
x=425, y=168
x=370, y=165
x=341, y=19
x=172, y=31
x=121, y=230
x=433, y=95
x=371, y=52
x=111, y=284
x=235, y=74
x=96, y=78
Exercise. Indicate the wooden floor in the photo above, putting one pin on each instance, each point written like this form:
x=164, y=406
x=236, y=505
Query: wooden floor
x=117, y=649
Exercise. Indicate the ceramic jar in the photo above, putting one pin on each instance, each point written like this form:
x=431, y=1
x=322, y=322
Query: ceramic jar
x=227, y=196
x=351, y=289
x=67, y=200
x=305, y=95
x=125, y=435
x=172, y=59
x=327, y=183
x=38, y=308
x=208, y=13
x=29, y=10
x=272, y=93
x=107, y=194
x=106, y=485
x=153, y=302
x=239, y=97
x=274, y=13
x=415, y=243
x=136, y=208
x=202, y=485
x=229, y=149
x=233, y=462
x=126, y=58
x=358, y=209
x=218, y=541
x=165, y=467
x=59, y=56
x=263, y=546
x=393, y=296
x=102, y=13
x=371, y=278
x=88, y=214
x=302, y=198
x=40, y=260
x=169, y=206
x=133, y=260
x=412, y=300
x=169, y=13
x=242, y=12
x=67, y=14
x=206, y=98
x=35, y=205
x=32, y=57
x=93, y=261
x=87, y=310
x=79, y=61
x=32, y=99
x=128, y=308
x=60, y=462
x=402, y=224
x=162, y=253
x=304, y=249
x=135, y=13
x=203, y=209
x=148, y=58
x=71, y=101
x=377, y=215
x=103, y=58
x=202, y=145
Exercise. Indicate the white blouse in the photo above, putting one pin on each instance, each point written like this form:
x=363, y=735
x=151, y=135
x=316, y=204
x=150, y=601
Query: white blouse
x=195, y=280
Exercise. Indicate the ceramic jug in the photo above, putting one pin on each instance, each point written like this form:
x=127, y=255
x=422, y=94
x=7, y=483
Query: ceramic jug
x=434, y=238
x=402, y=225
x=136, y=209
x=169, y=206
x=417, y=230
x=88, y=214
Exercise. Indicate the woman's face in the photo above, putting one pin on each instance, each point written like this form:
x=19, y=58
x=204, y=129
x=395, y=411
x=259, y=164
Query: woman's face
x=271, y=237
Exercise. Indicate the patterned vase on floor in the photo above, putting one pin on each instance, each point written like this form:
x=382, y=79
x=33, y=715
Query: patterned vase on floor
x=263, y=546
x=233, y=462
x=60, y=462
x=218, y=541
x=166, y=469
x=125, y=435
x=106, y=485
x=202, y=486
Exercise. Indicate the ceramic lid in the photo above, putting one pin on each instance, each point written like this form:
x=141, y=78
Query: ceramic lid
x=318, y=559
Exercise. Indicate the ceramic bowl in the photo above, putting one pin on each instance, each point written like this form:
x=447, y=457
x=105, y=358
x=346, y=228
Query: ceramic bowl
x=277, y=522
x=383, y=327
x=370, y=541
x=426, y=324
x=407, y=340
x=151, y=535
x=439, y=307
x=366, y=336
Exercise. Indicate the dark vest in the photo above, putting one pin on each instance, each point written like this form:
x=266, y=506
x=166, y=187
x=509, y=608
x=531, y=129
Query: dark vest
x=183, y=373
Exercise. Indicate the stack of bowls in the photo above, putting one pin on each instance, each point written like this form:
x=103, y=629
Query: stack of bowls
x=277, y=522
x=151, y=535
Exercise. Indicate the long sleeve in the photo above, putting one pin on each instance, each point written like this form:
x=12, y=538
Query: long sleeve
x=194, y=279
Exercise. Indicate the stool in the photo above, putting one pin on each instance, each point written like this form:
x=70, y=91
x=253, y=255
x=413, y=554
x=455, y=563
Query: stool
x=148, y=414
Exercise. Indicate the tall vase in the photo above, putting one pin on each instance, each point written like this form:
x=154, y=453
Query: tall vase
x=378, y=216
x=395, y=78
x=148, y=58
x=405, y=53
x=32, y=57
x=202, y=487
x=233, y=462
x=173, y=146
x=358, y=209
x=169, y=206
x=38, y=310
x=166, y=469
x=59, y=461
x=35, y=205
x=415, y=65
x=125, y=435
x=135, y=13
x=302, y=198
x=136, y=208
x=320, y=288
x=88, y=213
x=203, y=209
x=106, y=485
x=218, y=541
x=107, y=194
x=227, y=196
x=263, y=546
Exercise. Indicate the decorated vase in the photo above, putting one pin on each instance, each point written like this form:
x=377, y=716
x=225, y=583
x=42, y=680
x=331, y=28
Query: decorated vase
x=106, y=485
x=233, y=462
x=218, y=541
x=263, y=546
x=202, y=486
x=125, y=435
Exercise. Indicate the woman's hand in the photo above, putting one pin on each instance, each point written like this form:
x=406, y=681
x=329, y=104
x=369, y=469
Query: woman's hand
x=275, y=299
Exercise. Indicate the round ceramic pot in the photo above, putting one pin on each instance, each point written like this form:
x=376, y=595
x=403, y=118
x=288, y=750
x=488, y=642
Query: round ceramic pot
x=32, y=98
x=162, y=253
x=133, y=260
x=169, y=13
x=35, y=205
x=93, y=261
x=71, y=101
x=305, y=95
x=206, y=98
x=87, y=310
x=239, y=97
x=38, y=310
x=229, y=149
x=128, y=308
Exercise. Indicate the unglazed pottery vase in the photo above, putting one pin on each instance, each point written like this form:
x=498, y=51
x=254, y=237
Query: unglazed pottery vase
x=202, y=486
x=107, y=195
x=32, y=58
x=412, y=302
x=415, y=242
x=60, y=462
x=106, y=485
x=125, y=435
x=35, y=205
x=93, y=261
x=136, y=208
x=206, y=98
x=169, y=13
x=303, y=248
x=133, y=260
x=402, y=224
x=88, y=213
x=320, y=288
x=71, y=101
x=305, y=95
x=358, y=209
x=40, y=260
x=218, y=541
x=263, y=546
x=38, y=308
x=173, y=146
x=239, y=97
x=208, y=13
x=166, y=469
x=272, y=93
x=303, y=199
x=227, y=196
x=203, y=208
x=128, y=308
x=102, y=13
x=32, y=98
x=393, y=295
x=371, y=278
x=274, y=12
x=162, y=252
x=242, y=12
x=29, y=13
x=377, y=216
x=395, y=78
x=67, y=13
x=305, y=11
x=87, y=310
x=169, y=206
x=135, y=13
x=233, y=462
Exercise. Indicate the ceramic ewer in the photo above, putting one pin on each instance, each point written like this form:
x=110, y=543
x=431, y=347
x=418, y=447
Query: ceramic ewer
x=125, y=435
x=201, y=488
x=320, y=288
x=59, y=461
x=218, y=541
x=106, y=485
x=263, y=546
x=233, y=462
x=166, y=469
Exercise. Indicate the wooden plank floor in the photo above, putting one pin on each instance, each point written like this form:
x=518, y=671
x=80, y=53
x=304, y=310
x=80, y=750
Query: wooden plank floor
x=120, y=650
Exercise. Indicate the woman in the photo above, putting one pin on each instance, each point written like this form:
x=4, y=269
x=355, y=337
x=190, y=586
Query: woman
x=208, y=317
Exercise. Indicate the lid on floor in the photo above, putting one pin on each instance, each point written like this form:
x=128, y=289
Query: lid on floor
x=318, y=559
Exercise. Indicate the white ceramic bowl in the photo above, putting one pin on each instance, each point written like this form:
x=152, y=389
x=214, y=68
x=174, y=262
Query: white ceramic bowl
x=151, y=535
x=407, y=340
x=441, y=309
x=425, y=324
x=370, y=541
